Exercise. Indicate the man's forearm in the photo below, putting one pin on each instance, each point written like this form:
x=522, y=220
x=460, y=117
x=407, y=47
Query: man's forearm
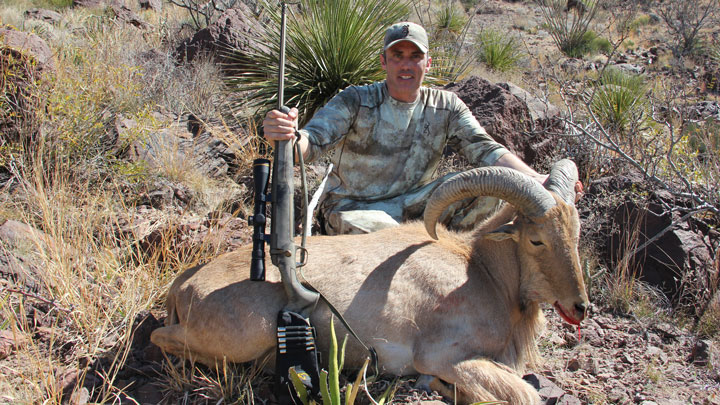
x=514, y=162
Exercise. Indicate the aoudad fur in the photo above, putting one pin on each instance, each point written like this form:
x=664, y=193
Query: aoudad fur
x=464, y=309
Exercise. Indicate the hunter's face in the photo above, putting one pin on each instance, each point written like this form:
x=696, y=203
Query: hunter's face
x=406, y=66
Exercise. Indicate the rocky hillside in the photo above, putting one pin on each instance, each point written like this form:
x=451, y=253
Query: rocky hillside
x=125, y=159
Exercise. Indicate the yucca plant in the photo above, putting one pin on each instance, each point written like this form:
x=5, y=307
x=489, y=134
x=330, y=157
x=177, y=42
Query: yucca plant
x=714, y=51
x=569, y=28
x=449, y=64
x=619, y=101
x=331, y=44
x=498, y=51
x=450, y=21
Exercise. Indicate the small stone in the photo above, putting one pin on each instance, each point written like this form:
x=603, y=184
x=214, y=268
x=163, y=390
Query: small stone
x=556, y=340
x=10, y=342
x=700, y=353
x=605, y=377
x=80, y=397
x=658, y=354
x=627, y=359
x=573, y=365
x=155, y=5
x=149, y=394
x=618, y=395
x=568, y=399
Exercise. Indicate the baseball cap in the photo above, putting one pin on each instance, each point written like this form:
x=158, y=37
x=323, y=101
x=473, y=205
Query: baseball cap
x=406, y=31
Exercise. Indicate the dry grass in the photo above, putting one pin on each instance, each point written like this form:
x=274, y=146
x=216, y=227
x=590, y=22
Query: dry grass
x=96, y=279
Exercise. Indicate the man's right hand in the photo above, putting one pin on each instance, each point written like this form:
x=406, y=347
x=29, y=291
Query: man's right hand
x=278, y=126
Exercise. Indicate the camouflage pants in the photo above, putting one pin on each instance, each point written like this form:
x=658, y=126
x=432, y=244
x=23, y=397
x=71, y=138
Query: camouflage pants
x=355, y=217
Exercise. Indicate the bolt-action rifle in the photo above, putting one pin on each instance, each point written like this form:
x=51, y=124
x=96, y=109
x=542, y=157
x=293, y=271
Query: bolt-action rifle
x=296, y=336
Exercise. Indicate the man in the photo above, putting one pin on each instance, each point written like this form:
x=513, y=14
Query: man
x=388, y=139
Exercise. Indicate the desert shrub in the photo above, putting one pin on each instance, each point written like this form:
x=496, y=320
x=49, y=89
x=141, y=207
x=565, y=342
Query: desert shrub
x=498, y=51
x=20, y=100
x=51, y=4
x=569, y=28
x=330, y=45
x=686, y=20
x=634, y=25
x=203, y=13
x=620, y=101
x=703, y=136
x=85, y=95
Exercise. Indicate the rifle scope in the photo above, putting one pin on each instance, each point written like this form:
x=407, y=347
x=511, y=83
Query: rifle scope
x=261, y=175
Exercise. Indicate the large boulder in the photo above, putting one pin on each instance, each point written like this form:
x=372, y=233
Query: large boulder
x=19, y=44
x=21, y=247
x=236, y=29
x=127, y=16
x=89, y=3
x=49, y=16
x=673, y=254
x=507, y=118
x=201, y=150
x=25, y=58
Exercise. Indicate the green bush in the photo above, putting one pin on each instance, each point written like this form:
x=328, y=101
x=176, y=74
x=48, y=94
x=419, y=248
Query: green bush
x=498, y=51
x=569, y=29
x=21, y=99
x=54, y=4
x=703, y=137
x=619, y=101
x=450, y=21
x=331, y=45
x=592, y=43
x=27, y=4
x=634, y=25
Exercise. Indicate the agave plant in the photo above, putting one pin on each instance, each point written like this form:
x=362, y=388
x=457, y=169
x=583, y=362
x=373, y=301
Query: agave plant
x=331, y=44
x=620, y=101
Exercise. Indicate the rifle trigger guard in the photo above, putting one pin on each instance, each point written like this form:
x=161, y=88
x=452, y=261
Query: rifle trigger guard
x=304, y=256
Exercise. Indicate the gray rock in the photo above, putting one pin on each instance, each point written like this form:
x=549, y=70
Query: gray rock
x=700, y=354
x=539, y=109
x=30, y=45
x=48, y=16
x=504, y=116
x=88, y=3
x=128, y=16
x=205, y=153
x=155, y=5
x=630, y=68
x=237, y=29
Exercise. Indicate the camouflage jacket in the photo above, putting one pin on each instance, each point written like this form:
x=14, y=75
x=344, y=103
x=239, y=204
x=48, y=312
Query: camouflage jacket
x=384, y=148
